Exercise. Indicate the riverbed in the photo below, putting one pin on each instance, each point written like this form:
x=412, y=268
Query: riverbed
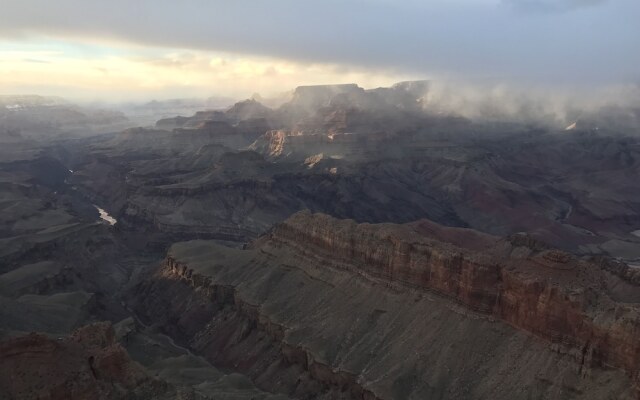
x=105, y=216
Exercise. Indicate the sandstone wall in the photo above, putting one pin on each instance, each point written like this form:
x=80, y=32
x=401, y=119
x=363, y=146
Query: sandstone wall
x=527, y=292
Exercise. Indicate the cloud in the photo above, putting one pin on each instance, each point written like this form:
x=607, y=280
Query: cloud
x=551, y=5
x=480, y=40
x=93, y=72
x=34, y=60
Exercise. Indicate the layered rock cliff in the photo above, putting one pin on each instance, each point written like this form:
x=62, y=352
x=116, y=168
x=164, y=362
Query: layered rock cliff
x=346, y=310
x=542, y=291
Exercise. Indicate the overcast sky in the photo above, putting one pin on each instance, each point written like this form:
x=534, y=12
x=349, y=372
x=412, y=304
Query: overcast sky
x=163, y=48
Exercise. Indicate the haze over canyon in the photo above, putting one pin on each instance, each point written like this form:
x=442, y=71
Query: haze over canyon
x=337, y=200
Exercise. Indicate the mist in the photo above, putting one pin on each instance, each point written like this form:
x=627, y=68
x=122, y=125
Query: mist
x=552, y=105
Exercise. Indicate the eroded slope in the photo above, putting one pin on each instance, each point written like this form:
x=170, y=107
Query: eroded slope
x=332, y=308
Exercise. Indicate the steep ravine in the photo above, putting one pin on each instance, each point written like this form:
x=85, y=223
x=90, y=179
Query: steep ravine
x=296, y=315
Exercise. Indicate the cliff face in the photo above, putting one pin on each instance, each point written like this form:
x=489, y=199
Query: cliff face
x=314, y=97
x=292, y=145
x=328, y=306
x=548, y=293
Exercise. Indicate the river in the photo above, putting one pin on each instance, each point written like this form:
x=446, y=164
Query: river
x=105, y=216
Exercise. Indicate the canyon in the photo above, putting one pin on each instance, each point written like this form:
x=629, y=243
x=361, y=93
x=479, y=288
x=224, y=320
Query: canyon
x=260, y=309
x=348, y=243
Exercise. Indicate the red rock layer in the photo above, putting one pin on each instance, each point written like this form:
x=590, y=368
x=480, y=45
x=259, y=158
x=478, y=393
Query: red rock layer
x=88, y=365
x=542, y=291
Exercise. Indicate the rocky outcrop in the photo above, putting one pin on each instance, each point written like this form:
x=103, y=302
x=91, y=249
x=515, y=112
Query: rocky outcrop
x=618, y=268
x=277, y=144
x=89, y=364
x=198, y=118
x=247, y=110
x=169, y=124
x=338, y=307
x=310, y=98
x=545, y=292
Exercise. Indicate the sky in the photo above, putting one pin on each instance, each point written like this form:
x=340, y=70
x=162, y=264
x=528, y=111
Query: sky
x=144, y=49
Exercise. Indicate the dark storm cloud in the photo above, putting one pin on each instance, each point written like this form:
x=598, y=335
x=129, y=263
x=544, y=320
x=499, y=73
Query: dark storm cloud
x=593, y=41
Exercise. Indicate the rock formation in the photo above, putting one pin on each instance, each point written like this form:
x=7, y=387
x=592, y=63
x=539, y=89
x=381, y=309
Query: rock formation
x=89, y=364
x=332, y=305
x=463, y=259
